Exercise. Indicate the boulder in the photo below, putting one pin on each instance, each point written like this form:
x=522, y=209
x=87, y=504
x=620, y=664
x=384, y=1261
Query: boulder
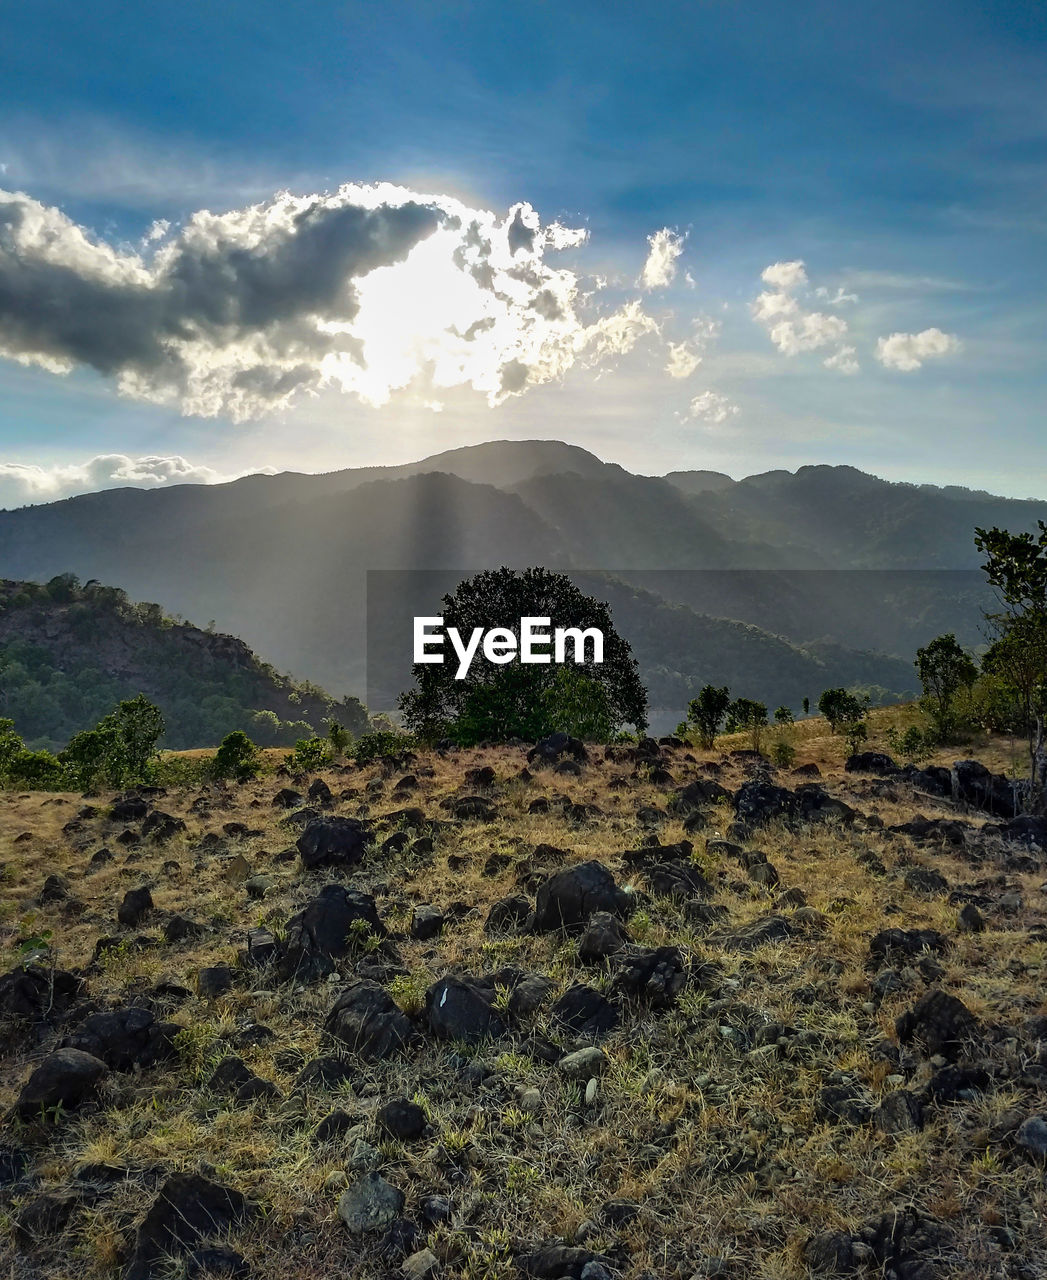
x=125, y=1038
x=370, y=1204
x=320, y=932
x=135, y=907
x=939, y=1023
x=367, y=1019
x=555, y=746
x=64, y=1078
x=461, y=1008
x=583, y=1010
x=605, y=936
x=187, y=1209
x=401, y=1118
x=567, y=899
x=333, y=842
x=871, y=762
x=654, y=976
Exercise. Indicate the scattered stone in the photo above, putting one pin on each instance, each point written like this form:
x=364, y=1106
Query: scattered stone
x=900, y=1112
x=970, y=920
x=366, y=1019
x=460, y=1008
x=605, y=936
x=585, y=1012
x=214, y=981
x=1032, y=1137
x=926, y=880
x=64, y=1078
x=584, y=1064
x=187, y=1208
x=234, y=1077
x=401, y=1118
x=370, y=1204
x=426, y=922
x=323, y=930
x=125, y=1039
x=568, y=898
x=508, y=914
x=940, y=1023
x=421, y=1265
x=333, y=842
x=135, y=907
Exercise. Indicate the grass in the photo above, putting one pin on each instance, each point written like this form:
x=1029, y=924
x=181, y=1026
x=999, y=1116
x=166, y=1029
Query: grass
x=714, y=1136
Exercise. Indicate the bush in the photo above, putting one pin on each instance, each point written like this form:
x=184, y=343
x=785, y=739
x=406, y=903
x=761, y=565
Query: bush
x=237, y=757
x=746, y=715
x=783, y=753
x=309, y=755
x=707, y=712
x=383, y=745
x=36, y=770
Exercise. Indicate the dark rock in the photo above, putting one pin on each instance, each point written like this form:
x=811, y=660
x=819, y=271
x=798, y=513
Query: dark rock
x=135, y=907
x=844, y=1100
x=426, y=922
x=401, y=1119
x=478, y=807
x=128, y=808
x=890, y=946
x=34, y=992
x=333, y=1125
x=556, y=745
x=326, y=1072
x=366, y=1018
x=187, y=1209
x=529, y=995
x=333, y=842
x=1026, y=829
x=214, y=981
x=262, y=947
x=41, y=1217
x=64, y=1078
x=957, y=1084
x=926, y=880
x=974, y=784
x=55, y=888
x=831, y=1253
x=480, y=777
x=772, y=928
x=1032, y=1138
x=460, y=1008
x=871, y=762
x=585, y=1011
x=322, y=930
x=234, y=1077
x=900, y=1112
x=371, y=1204
x=703, y=793
x=508, y=914
x=182, y=929
x=287, y=798
x=654, y=976
x=568, y=898
x=970, y=920
x=605, y=936
x=125, y=1038
x=320, y=793
x=938, y=1023
x=217, y=1262
x=557, y=1262
x=161, y=827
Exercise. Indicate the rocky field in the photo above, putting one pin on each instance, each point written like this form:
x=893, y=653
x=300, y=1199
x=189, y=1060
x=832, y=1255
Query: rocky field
x=634, y=1012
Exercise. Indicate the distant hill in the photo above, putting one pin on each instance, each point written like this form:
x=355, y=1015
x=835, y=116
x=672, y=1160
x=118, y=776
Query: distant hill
x=69, y=653
x=282, y=560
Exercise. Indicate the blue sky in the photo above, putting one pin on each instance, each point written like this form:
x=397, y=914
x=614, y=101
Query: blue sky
x=896, y=151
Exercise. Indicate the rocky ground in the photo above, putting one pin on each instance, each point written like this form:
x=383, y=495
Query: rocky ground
x=644, y=1012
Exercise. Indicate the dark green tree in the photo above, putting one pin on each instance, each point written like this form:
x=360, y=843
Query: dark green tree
x=944, y=669
x=237, y=757
x=517, y=700
x=745, y=715
x=841, y=708
x=1016, y=565
x=707, y=712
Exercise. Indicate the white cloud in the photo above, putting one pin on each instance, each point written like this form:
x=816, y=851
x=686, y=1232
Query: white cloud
x=713, y=408
x=906, y=352
x=22, y=483
x=836, y=299
x=369, y=290
x=684, y=357
x=791, y=326
x=660, y=268
x=843, y=361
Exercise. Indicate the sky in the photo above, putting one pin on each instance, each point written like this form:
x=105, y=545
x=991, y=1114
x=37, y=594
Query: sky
x=727, y=235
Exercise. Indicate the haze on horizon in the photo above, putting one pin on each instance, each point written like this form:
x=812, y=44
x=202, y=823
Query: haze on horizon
x=682, y=237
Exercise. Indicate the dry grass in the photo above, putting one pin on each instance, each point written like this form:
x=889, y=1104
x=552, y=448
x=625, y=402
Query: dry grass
x=717, y=1140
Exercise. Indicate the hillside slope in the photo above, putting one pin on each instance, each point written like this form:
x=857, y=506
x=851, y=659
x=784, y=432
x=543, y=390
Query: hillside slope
x=68, y=654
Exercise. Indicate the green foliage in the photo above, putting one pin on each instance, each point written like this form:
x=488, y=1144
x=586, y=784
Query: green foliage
x=783, y=753
x=339, y=737
x=577, y=704
x=914, y=745
x=36, y=771
x=707, y=712
x=856, y=732
x=119, y=750
x=944, y=669
x=842, y=709
x=745, y=715
x=384, y=745
x=1016, y=565
x=783, y=715
x=237, y=757
x=806, y=706
x=513, y=700
x=309, y=754
x=54, y=683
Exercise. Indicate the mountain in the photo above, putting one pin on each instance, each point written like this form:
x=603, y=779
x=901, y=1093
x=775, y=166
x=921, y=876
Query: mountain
x=69, y=654
x=851, y=571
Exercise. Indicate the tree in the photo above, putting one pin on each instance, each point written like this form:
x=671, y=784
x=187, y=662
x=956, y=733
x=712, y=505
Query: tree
x=515, y=699
x=707, y=712
x=783, y=715
x=339, y=737
x=841, y=708
x=137, y=726
x=1016, y=565
x=944, y=669
x=237, y=757
x=751, y=717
